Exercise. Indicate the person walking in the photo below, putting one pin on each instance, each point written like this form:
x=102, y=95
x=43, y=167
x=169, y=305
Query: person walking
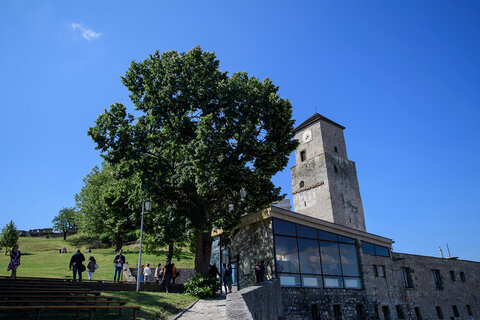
x=91, y=267
x=147, y=272
x=174, y=273
x=229, y=277
x=224, y=277
x=258, y=272
x=168, y=274
x=76, y=263
x=15, y=255
x=158, y=273
x=119, y=260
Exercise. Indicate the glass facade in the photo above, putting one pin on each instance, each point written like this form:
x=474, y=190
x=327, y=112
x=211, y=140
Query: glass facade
x=311, y=258
x=375, y=250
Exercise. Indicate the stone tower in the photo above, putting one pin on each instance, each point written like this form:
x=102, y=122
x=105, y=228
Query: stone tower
x=324, y=181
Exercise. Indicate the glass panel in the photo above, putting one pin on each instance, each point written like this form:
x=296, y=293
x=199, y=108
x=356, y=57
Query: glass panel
x=284, y=227
x=382, y=251
x=368, y=248
x=330, y=258
x=348, y=254
x=306, y=232
x=286, y=254
x=322, y=235
x=345, y=239
x=215, y=255
x=309, y=256
x=333, y=282
x=289, y=280
x=309, y=281
x=352, y=283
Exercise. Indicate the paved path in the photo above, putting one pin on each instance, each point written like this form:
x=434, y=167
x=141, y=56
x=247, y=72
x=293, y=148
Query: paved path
x=206, y=310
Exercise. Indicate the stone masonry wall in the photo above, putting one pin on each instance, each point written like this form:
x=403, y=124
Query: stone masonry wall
x=251, y=243
x=389, y=291
x=260, y=302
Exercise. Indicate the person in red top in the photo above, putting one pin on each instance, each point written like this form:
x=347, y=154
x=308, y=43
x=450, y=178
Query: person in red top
x=174, y=275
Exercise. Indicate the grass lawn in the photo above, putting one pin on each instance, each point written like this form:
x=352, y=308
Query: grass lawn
x=40, y=258
x=155, y=305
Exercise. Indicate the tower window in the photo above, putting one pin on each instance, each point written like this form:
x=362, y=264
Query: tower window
x=386, y=312
x=336, y=149
x=400, y=313
x=455, y=311
x=337, y=311
x=469, y=310
x=303, y=155
x=335, y=168
x=452, y=275
x=439, y=312
x=418, y=313
x=302, y=184
x=437, y=279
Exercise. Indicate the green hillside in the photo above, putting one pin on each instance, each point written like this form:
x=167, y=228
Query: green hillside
x=40, y=258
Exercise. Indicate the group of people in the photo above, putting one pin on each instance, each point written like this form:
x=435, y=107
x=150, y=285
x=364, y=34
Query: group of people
x=76, y=263
x=166, y=275
x=226, y=275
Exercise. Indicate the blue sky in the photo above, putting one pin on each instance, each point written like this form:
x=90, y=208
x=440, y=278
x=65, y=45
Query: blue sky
x=401, y=76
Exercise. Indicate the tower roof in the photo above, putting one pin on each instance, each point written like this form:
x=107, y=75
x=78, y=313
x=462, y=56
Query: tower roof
x=316, y=117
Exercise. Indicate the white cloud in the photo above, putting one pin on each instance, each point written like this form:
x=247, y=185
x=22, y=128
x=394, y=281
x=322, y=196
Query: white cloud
x=86, y=33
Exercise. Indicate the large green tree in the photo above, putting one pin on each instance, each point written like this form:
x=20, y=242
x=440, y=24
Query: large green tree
x=110, y=203
x=9, y=236
x=66, y=221
x=205, y=144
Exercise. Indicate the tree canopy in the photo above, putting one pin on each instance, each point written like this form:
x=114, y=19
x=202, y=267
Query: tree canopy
x=9, y=235
x=109, y=204
x=66, y=221
x=205, y=144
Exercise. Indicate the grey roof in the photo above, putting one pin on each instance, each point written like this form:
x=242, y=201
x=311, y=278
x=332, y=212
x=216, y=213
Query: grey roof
x=316, y=117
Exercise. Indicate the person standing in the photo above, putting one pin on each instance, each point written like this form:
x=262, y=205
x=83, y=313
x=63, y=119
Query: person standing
x=91, y=267
x=229, y=277
x=174, y=273
x=262, y=271
x=15, y=255
x=224, y=277
x=119, y=260
x=167, y=277
x=147, y=272
x=158, y=273
x=76, y=263
x=258, y=272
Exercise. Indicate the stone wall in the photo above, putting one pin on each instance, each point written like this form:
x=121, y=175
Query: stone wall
x=260, y=302
x=389, y=291
x=251, y=243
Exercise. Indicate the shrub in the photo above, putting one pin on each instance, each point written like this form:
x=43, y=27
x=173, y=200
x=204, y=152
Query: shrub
x=106, y=239
x=202, y=287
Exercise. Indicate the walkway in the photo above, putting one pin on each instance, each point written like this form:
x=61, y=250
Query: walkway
x=206, y=310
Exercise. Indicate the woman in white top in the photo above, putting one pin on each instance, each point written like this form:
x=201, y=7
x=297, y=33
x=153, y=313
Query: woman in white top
x=147, y=272
x=158, y=273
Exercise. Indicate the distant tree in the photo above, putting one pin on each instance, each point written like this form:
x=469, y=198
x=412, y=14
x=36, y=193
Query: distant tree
x=9, y=236
x=205, y=144
x=66, y=221
x=109, y=203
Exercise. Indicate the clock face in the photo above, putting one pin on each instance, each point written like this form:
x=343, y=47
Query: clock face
x=307, y=136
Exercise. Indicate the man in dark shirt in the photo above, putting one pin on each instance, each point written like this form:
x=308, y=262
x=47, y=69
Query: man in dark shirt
x=119, y=260
x=76, y=263
x=167, y=277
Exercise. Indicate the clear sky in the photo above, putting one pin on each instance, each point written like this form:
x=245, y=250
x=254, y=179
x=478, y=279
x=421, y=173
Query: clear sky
x=403, y=77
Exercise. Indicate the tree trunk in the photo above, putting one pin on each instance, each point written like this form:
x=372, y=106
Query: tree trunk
x=64, y=235
x=118, y=242
x=203, y=251
x=6, y=250
x=170, y=251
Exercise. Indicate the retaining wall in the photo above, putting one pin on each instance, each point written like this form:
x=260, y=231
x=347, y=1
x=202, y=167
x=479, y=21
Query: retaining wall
x=260, y=302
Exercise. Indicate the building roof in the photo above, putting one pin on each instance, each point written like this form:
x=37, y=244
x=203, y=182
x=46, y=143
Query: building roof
x=316, y=117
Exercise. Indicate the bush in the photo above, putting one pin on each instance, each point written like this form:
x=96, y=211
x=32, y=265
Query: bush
x=202, y=287
x=106, y=239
